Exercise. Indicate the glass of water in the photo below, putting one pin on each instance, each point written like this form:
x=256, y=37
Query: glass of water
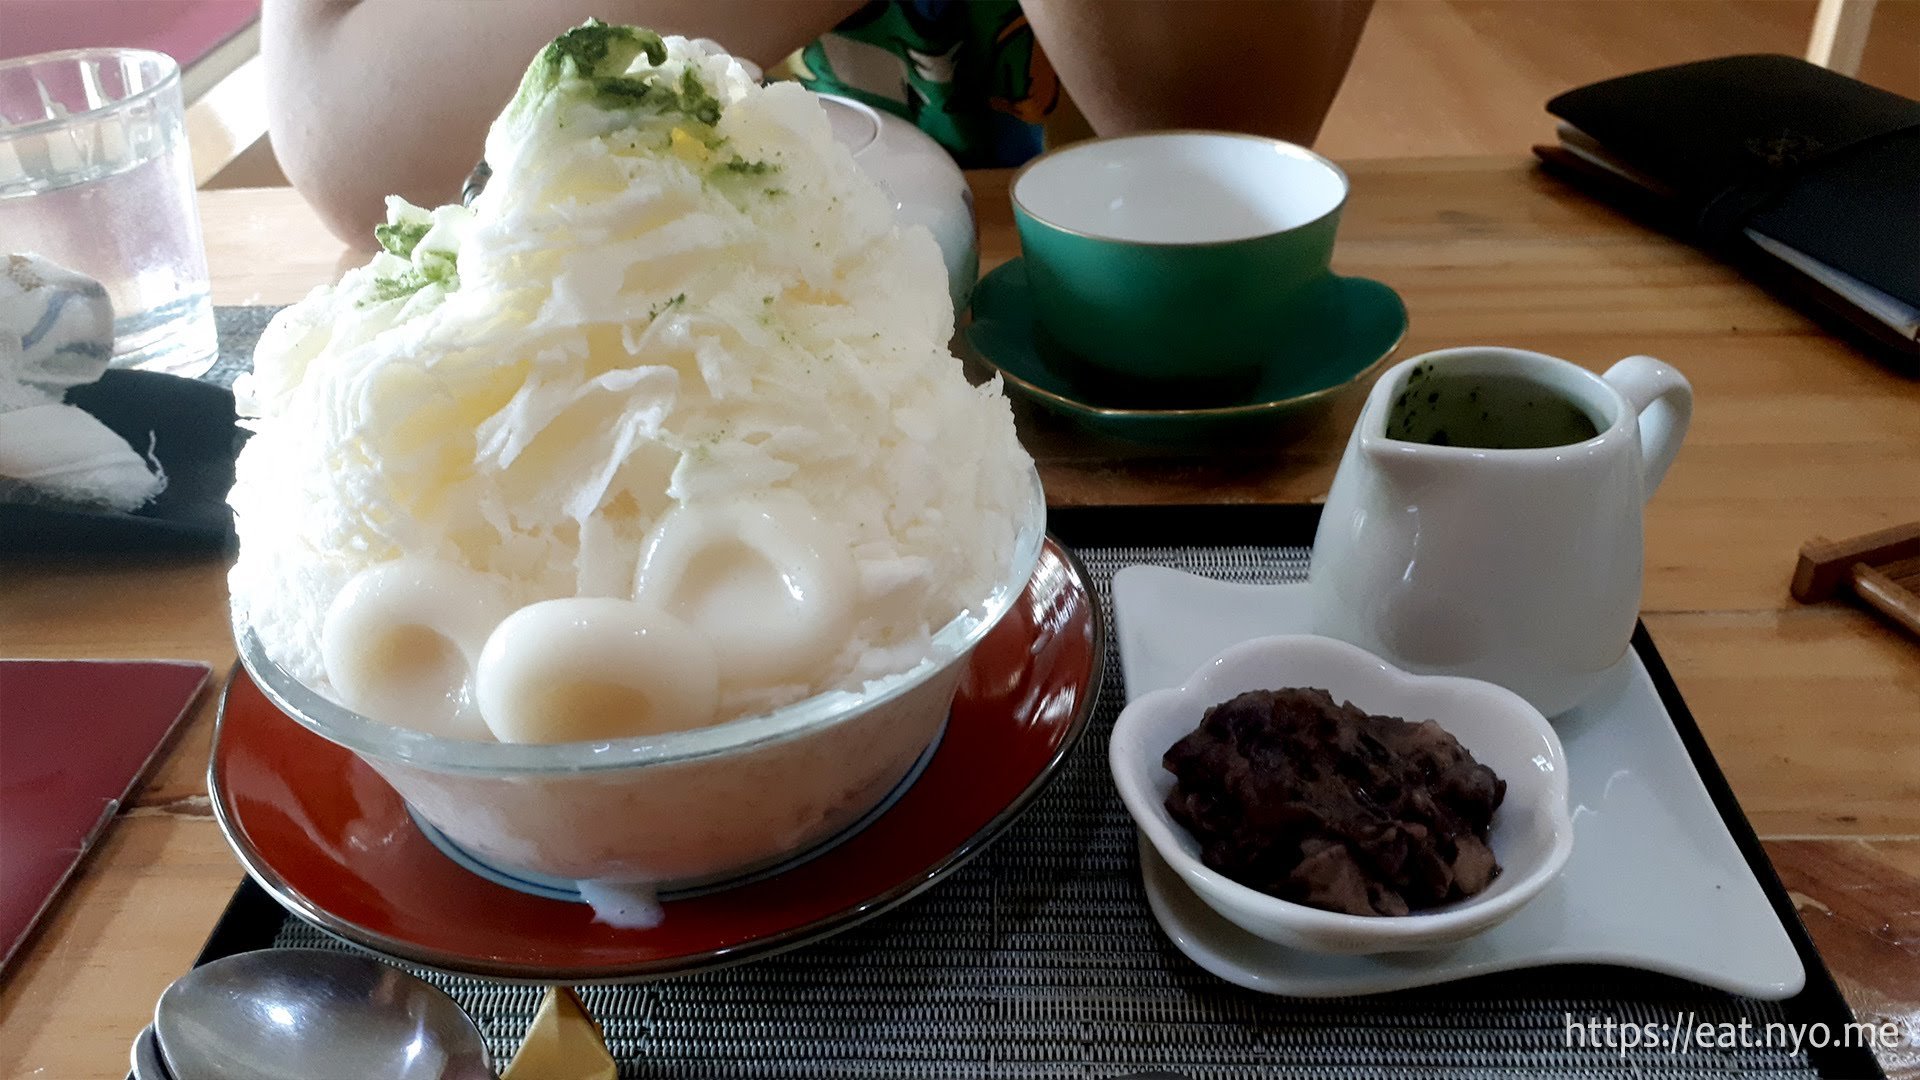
x=94, y=175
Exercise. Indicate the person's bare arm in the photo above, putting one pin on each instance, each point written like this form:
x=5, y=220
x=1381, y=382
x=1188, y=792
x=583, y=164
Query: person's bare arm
x=394, y=96
x=1269, y=67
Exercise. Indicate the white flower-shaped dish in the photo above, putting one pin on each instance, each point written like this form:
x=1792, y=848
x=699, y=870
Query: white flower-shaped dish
x=1532, y=833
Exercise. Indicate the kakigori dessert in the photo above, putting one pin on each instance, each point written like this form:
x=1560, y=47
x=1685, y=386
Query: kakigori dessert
x=660, y=432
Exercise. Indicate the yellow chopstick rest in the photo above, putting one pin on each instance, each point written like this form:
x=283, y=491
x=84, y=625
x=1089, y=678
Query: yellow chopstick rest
x=563, y=1044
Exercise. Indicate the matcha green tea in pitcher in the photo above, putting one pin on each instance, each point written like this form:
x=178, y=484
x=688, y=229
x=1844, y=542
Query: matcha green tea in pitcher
x=1487, y=411
x=1485, y=520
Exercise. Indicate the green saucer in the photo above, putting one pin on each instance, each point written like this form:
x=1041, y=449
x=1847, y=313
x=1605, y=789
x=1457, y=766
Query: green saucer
x=1363, y=322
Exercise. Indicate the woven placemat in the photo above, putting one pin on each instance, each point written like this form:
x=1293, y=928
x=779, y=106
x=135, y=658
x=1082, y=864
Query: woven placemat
x=1040, y=959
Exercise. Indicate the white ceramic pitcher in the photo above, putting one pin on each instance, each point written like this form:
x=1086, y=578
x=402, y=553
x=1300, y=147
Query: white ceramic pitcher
x=1518, y=566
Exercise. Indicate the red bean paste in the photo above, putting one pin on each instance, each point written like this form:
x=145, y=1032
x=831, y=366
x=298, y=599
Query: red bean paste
x=1326, y=805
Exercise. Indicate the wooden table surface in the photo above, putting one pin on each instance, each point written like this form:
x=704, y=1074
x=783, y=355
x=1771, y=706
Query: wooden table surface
x=1813, y=713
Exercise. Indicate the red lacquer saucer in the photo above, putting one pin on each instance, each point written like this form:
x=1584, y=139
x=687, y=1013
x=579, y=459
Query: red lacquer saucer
x=329, y=839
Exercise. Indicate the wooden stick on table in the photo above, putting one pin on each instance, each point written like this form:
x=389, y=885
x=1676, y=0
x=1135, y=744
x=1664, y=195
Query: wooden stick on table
x=1883, y=568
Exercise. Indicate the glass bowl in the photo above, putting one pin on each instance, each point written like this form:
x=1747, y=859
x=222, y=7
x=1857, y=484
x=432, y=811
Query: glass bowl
x=682, y=809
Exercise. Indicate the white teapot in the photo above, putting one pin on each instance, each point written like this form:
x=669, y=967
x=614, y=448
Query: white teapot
x=926, y=186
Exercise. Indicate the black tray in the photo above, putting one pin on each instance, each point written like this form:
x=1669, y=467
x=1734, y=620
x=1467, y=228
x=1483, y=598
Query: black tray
x=253, y=920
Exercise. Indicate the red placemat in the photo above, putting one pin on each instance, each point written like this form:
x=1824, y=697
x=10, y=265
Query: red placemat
x=75, y=738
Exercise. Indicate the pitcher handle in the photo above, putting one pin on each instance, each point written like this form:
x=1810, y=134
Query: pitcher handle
x=1664, y=400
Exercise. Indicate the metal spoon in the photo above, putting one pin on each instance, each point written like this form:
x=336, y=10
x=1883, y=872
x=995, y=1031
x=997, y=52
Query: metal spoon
x=146, y=1058
x=296, y=1014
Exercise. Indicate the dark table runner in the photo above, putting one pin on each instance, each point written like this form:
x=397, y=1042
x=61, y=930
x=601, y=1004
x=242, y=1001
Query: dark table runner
x=1041, y=959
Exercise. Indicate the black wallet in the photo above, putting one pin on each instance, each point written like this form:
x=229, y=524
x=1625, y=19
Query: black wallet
x=1807, y=180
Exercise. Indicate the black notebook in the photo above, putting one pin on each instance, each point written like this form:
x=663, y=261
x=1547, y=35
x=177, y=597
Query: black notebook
x=1807, y=179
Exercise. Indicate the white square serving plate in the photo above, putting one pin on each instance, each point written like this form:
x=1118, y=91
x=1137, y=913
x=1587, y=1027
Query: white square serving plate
x=1655, y=881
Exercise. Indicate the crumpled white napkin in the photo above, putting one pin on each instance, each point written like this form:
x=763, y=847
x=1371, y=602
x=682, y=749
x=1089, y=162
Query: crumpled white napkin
x=56, y=332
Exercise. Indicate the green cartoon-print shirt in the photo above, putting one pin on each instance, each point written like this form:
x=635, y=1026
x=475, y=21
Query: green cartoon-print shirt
x=968, y=73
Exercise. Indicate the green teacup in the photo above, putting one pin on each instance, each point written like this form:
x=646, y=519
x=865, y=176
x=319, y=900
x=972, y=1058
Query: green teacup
x=1177, y=254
